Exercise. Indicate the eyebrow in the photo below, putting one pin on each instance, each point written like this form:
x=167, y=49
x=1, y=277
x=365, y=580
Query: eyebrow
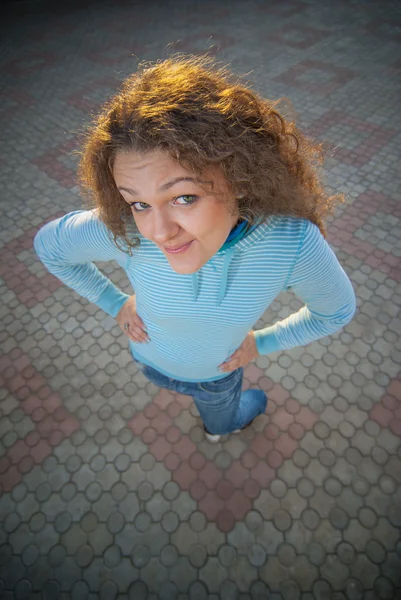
x=167, y=185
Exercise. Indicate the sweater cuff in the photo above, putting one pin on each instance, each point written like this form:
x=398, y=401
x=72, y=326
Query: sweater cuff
x=111, y=299
x=266, y=340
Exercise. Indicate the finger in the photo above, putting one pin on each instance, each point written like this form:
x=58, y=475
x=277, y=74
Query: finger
x=135, y=334
x=138, y=333
x=227, y=366
x=139, y=323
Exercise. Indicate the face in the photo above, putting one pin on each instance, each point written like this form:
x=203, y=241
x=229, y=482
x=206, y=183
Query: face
x=188, y=218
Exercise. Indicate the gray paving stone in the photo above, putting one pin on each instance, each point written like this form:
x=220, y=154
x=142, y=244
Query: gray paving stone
x=170, y=521
x=282, y=520
x=12, y=522
x=198, y=556
x=384, y=588
x=124, y=574
x=19, y=492
x=286, y=555
x=197, y=521
x=108, y=591
x=387, y=484
x=322, y=589
x=84, y=555
x=357, y=535
x=212, y=575
x=227, y=555
x=293, y=503
x=184, y=506
x=310, y=518
x=305, y=487
x=37, y=522
x=375, y=551
x=51, y=590
x=154, y=575
x=353, y=589
x=119, y=491
x=100, y=539
x=80, y=591
x=241, y=575
x=367, y=518
x=98, y=463
x=338, y=518
x=259, y=590
x=257, y=555
x=115, y=522
x=316, y=553
x=182, y=574
x=89, y=522
x=290, y=590
x=171, y=490
x=57, y=555
x=390, y=568
x=327, y=535
x=68, y=491
x=198, y=591
x=67, y=574
x=140, y=556
x=169, y=555
x=138, y=591
x=270, y=538
x=241, y=538
x=112, y=556
x=23, y=590
x=365, y=571
x=253, y=521
x=62, y=522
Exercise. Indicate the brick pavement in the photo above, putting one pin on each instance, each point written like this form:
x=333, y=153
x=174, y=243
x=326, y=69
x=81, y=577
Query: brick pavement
x=108, y=487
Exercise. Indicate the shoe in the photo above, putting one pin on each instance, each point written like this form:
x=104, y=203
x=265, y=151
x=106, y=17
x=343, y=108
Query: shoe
x=211, y=437
x=214, y=438
x=244, y=427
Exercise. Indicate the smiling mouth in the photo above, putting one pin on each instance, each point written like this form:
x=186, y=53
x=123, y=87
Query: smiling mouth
x=178, y=249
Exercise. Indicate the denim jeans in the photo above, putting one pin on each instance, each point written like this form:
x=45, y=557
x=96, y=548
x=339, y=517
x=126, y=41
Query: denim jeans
x=222, y=405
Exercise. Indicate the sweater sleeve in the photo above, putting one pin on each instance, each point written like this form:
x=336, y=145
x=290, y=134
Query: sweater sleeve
x=69, y=245
x=318, y=279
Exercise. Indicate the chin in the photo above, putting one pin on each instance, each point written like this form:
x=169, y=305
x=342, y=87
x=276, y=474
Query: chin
x=185, y=268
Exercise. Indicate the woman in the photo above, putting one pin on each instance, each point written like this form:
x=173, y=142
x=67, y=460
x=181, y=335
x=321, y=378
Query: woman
x=211, y=202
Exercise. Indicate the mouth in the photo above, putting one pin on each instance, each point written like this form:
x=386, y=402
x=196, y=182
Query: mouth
x=177, y=249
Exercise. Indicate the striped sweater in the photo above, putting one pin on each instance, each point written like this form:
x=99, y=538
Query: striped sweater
x=196, y=321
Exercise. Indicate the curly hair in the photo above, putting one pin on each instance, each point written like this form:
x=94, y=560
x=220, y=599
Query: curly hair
x=200, y=114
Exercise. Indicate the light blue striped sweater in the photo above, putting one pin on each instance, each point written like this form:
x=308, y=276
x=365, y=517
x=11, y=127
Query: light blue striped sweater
x=195, y=322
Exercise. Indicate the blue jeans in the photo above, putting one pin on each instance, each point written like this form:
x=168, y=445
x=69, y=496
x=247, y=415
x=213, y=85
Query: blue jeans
x=222, y=405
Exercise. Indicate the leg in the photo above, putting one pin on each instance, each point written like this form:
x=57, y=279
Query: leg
x=224, y=407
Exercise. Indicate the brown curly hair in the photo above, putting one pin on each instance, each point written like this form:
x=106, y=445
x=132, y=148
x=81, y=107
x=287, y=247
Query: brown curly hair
x=201, y=114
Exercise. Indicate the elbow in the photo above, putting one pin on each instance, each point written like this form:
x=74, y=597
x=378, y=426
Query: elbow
x=345, y=314
x=38, y=243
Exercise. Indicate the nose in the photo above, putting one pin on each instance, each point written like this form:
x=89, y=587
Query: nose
x=164, y=228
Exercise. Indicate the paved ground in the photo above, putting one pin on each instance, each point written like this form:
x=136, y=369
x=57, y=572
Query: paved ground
x=108, y=489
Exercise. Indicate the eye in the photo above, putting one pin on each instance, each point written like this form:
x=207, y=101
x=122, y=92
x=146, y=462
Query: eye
x=139, y=206
x=186, y=199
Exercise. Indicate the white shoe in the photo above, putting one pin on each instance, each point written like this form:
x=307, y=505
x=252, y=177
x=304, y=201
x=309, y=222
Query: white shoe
x=244, y=427
x=211, y=437
x=215, y=438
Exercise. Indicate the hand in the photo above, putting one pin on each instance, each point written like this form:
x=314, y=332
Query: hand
x=242, y=356
x=131, y=324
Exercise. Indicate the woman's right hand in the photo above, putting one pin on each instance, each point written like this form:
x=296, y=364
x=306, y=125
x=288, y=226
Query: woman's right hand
x=131, y=324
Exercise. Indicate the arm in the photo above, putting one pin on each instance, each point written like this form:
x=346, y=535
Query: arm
x=318, y=279
x=69, y=245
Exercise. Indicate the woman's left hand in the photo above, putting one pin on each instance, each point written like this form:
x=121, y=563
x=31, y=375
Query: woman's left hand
x=242, y=356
